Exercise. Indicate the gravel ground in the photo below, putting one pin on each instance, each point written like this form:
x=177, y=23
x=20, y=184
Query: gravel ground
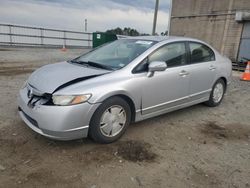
x=193, y=147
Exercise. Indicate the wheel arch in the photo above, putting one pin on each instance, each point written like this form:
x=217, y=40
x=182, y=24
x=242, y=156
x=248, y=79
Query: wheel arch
x=125, y=96
x=130, y=103
x=224, y=80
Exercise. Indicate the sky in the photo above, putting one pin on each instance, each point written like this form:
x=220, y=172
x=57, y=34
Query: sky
x=100, y=14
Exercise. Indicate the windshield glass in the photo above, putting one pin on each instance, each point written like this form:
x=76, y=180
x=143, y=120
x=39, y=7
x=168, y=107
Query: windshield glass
x=115, y=55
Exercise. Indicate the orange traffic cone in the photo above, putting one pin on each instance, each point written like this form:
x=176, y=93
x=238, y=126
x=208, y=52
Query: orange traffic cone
x=64, y=49
x=246, y=75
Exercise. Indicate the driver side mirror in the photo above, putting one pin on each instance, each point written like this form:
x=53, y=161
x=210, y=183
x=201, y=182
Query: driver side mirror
x=156, y=66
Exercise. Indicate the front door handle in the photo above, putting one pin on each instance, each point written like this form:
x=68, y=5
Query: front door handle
x=212, y=68
x=183, y=73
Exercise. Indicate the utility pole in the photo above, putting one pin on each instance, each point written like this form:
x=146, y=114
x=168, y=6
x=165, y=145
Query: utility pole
x=86, y=25
x=170, y=14
x=155, y=16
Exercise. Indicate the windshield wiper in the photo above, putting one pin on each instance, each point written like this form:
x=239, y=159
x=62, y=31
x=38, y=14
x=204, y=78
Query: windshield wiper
x=98, y=65
x=93, y=64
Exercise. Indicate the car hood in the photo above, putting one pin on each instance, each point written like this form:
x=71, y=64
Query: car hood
x=50, y=78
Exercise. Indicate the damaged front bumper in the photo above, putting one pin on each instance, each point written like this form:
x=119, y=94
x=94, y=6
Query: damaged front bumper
x=56, y=122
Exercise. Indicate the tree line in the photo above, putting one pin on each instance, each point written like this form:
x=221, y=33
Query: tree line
x=130, y=32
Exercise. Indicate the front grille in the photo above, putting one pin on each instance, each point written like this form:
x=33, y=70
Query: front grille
x=36, y=95
x=31, y=120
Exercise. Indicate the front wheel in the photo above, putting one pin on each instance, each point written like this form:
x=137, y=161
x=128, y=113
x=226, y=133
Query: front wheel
x=110, y=120
x=217, y=93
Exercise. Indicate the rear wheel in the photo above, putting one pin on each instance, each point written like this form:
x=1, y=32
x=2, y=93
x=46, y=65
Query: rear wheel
x=217, y=93
x=110, y=120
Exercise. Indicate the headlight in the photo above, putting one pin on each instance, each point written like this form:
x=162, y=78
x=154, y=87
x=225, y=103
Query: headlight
x=63, y=100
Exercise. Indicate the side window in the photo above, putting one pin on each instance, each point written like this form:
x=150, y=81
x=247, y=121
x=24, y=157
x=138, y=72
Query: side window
x=173, y=54
x=142, y=67
x=200, y=53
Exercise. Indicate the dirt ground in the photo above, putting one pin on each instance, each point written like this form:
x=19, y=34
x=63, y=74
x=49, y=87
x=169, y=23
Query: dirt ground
x=194, y=147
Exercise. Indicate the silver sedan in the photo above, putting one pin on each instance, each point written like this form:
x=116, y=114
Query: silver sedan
x=100, y=93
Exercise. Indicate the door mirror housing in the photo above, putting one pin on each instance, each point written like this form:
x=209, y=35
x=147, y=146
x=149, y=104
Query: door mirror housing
x=156, y=66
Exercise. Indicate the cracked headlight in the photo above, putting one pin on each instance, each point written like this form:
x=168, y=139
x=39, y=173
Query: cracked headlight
x=64, y=100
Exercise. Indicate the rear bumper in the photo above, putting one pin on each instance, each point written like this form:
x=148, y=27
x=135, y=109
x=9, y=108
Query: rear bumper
x=56, y=122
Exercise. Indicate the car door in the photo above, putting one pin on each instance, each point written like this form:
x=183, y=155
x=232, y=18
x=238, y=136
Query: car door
x=202, y=69
x=168, y=88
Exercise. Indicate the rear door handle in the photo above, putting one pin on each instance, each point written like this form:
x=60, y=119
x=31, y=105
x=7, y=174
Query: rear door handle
x=212, y=68
x=183, y=73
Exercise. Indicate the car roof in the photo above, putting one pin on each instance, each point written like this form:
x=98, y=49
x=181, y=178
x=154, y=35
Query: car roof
x=162, y=38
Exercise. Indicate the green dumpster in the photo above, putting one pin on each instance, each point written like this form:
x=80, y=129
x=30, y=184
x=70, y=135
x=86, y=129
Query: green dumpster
x=100, y=38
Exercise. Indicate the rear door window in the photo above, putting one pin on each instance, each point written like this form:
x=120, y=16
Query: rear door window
x=200, y=53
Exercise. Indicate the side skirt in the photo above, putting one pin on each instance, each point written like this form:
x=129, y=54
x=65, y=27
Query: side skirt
x=140, y=117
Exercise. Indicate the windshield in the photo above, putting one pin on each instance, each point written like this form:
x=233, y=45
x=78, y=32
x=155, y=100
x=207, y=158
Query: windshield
x=115, y=55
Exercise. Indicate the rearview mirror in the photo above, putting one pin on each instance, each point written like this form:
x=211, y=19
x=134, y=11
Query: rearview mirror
x=156, y=66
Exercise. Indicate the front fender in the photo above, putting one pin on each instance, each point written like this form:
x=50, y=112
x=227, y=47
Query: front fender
x=100, y=98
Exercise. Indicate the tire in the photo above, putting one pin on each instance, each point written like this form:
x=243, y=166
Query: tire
x=213, y=99
x=110, y=120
